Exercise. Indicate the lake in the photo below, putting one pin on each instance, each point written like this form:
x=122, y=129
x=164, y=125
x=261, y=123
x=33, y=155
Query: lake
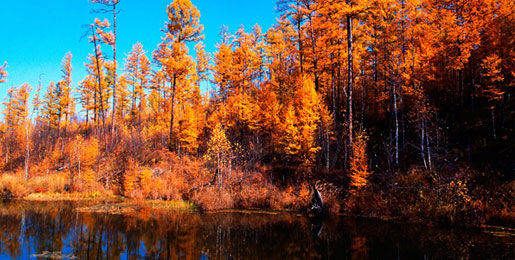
x=58, y=230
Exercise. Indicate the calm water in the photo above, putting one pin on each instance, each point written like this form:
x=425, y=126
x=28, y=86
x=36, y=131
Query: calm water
x=29, y=230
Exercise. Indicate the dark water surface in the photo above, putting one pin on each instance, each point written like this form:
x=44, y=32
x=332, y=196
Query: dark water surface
x=57, y=229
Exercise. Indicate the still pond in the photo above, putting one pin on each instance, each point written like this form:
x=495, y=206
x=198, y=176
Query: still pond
x=54, y=230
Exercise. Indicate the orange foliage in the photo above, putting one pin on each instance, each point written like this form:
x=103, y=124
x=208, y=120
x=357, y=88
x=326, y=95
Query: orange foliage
x=423, y=76
x=359, y=163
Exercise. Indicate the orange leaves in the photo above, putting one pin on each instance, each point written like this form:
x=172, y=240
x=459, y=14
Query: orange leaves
x=101, y=24
x=183, y=22
x=359, y=163
x=300, y=124
x=138, y=68
x=16, y=107
x=83, y=154
x=190, y=127
x=100, y=30
x=491, y=70
x=3, y=73
x=145, y=180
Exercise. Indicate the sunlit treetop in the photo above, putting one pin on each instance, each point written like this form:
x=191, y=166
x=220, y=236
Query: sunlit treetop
x=183, y=22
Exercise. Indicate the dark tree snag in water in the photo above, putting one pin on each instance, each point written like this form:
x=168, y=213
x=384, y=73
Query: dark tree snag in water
x=317, y=208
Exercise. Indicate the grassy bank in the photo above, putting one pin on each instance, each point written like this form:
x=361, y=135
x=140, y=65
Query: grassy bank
x=413, y=197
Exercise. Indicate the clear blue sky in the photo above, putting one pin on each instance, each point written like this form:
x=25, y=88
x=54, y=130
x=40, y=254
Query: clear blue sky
x=35, y=35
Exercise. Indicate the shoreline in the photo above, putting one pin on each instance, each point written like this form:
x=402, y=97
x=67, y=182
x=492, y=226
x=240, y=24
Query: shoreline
x=116, y=204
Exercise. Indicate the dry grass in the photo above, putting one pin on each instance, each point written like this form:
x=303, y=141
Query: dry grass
x=50, y=187
x=213, y=197
x=14, y=183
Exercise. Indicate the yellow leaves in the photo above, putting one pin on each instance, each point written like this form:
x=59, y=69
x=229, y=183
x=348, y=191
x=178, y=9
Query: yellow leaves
x=183, y=22
x=491, y=70
x=101, y=24
x=219, y=146
x=190, y=128
x=138, y=70
x=491, y=67
x=16, y=107
x=359, y=162
x=240, y=110
x=145, y=180
x=300, y=124
x=202, y=61
x=100, y=30
x=290, y=139
x=90, y=152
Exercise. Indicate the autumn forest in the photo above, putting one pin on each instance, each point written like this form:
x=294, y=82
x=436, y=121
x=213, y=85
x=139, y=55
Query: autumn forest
x=395, y=109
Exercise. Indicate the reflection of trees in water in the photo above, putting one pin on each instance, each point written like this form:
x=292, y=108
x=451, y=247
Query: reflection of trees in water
x=168, y=235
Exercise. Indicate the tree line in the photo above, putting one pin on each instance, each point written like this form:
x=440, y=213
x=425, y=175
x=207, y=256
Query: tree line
x=355, y=90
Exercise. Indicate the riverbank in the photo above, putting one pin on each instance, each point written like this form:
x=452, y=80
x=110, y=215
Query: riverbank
x=107, y=203
x=412, y=199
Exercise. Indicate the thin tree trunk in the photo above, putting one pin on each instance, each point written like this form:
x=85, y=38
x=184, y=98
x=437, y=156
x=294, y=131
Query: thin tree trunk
x=299, y=42
x=172, y=110
x=315, y=59
x=394, y=93
x=27, y=154
x=101, y=98
x=428, y=148
x=350, y=80
x=79, y=163
x=493, y=123
x=327, y=148
x=422, y=138
x=114, y=72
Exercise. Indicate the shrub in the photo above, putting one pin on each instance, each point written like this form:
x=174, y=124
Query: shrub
x=212, y=198
x=13, y=183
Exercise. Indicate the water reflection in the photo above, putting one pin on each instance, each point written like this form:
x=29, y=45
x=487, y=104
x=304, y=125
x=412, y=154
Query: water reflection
x=57, y=229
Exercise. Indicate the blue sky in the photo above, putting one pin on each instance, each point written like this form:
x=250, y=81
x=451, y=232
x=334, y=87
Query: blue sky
x=35, y=35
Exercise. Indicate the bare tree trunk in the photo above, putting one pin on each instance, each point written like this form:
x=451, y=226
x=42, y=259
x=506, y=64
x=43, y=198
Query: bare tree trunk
x=493, y=123
x=315, y=59
x=327, y=148
x=101, y=98
x=113, y=119
x=27, y=152
x=394, y=93
x=422, y=139
x=172, y=110
x=79, y=163
x=299, y=42
x=350, y=79
x=428, y=148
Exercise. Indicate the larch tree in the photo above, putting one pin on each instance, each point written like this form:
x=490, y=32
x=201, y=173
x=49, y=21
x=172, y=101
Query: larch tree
x=87, y=98
x=16, y=114
x=282, y=59
x=138, y=70
x=301, y=122
x=110, y=39
x=97, y=65
x=124, y=98
x=66, y=104
x=219, y=153
x=182, y=27
x=359, y=164
x=202, y=63
x=51, y=108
